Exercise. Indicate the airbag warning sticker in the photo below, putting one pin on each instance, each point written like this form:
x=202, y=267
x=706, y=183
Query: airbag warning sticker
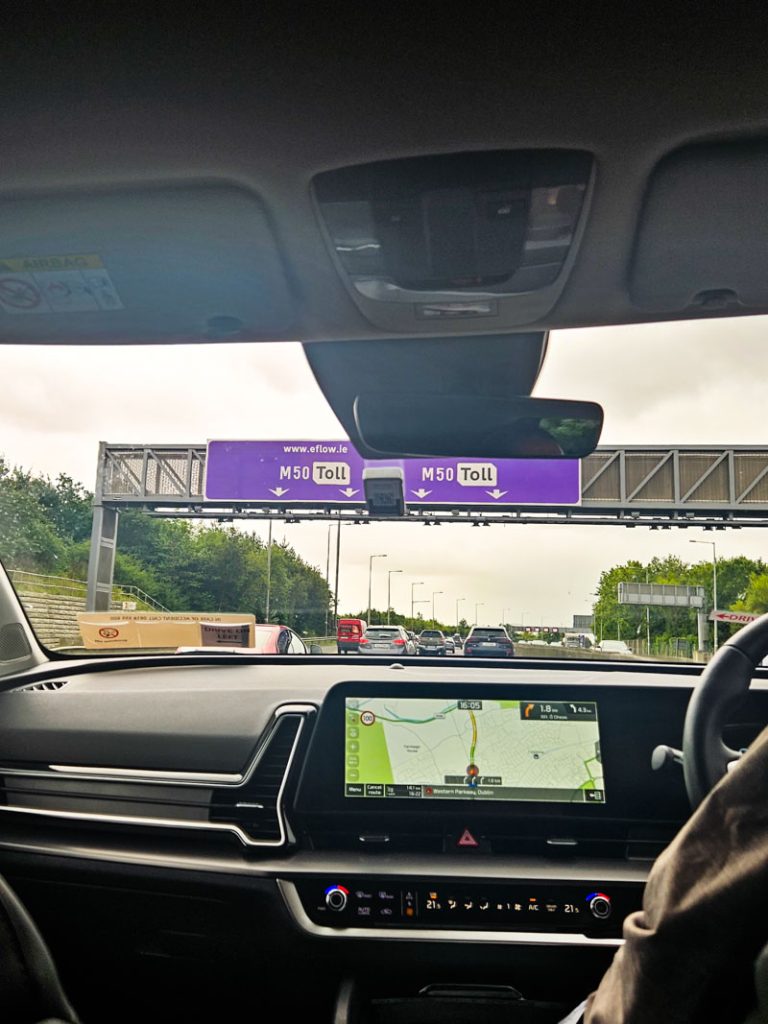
x=56, y=284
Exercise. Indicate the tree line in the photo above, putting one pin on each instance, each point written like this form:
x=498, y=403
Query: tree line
x=45, y=527
x=742, y=585
x=416, y=624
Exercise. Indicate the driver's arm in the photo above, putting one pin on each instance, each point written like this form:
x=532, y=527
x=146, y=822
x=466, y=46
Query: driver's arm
x=689, y=952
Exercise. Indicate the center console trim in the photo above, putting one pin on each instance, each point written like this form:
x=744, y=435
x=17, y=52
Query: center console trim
x=290, y=895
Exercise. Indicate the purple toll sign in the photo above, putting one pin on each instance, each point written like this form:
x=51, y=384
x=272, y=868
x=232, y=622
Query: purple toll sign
x=331, y=473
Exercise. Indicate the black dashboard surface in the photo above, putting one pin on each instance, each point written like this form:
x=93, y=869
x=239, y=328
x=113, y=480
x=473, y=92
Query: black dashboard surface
x=191, y=716
x=207, y=717
x=195, y=772
x=211, y=718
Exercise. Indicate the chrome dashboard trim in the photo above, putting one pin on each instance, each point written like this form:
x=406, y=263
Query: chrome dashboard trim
x=136, y=775
x=292, y=900
x=301, y=710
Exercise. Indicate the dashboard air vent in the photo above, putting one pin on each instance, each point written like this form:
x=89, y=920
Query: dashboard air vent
x=256, y=805
x=49, y=684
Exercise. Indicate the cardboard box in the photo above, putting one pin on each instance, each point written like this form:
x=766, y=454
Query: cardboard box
x=135, y=630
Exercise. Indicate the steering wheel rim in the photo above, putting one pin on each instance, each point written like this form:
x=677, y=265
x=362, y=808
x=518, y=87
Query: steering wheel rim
x=723, y=683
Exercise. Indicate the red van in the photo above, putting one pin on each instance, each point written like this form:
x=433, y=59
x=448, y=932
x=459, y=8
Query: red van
x=349, y=632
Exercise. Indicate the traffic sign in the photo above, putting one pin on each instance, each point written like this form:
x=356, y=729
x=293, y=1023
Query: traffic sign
x=737, y=618
x=331, y=472
x=667, y=595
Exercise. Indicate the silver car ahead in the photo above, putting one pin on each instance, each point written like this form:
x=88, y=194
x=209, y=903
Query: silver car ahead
x=386, y=640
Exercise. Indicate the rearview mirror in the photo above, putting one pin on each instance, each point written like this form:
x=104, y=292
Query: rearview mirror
x=315, y=649
x=406, y=426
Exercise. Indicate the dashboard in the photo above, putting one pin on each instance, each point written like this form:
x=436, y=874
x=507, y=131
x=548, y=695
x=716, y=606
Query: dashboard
x=503, y=806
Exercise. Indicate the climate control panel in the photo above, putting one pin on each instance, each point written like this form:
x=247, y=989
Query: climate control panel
x=589, y=908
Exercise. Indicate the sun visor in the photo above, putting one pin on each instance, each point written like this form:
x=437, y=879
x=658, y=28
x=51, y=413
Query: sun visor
x=173, y=263
x=702, y=241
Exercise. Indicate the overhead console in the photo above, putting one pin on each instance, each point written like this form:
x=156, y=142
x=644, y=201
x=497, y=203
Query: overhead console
x=484, y=237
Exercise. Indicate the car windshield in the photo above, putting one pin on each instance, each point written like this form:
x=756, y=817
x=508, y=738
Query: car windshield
x=381, y=634
x=488, y=634
x=128, y=547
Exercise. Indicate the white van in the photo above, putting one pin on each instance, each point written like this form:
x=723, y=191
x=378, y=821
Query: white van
x=614, y=647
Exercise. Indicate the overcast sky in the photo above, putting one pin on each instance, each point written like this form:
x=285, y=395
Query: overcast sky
x=691, y=383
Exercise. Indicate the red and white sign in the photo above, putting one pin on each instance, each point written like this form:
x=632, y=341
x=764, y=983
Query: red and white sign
x=739, y=618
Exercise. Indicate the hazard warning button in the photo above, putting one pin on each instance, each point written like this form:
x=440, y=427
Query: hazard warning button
x=467, y=841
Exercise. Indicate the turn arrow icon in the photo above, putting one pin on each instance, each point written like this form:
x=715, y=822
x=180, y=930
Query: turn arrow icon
x=421, y=493
x=496, y=493
x=349, y=491
x=278, y=491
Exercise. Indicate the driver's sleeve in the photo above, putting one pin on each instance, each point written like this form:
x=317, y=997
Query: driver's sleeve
x=688, y=954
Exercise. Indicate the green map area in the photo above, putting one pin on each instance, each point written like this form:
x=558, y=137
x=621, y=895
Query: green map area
x=367, y=745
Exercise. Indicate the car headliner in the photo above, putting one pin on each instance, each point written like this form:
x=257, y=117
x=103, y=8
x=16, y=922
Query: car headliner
x=270, y=99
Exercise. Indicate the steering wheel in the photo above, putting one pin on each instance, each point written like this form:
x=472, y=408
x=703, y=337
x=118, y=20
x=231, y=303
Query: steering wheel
x=722, y=685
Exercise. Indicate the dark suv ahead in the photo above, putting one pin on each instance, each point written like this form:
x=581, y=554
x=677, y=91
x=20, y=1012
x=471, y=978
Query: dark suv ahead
x=488, y=641
x=432, y=641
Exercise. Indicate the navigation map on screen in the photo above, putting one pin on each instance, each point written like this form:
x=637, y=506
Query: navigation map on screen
x=473, y=749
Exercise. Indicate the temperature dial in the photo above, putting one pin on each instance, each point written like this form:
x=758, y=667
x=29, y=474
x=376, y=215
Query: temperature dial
x=336, y=898
x=599, y=905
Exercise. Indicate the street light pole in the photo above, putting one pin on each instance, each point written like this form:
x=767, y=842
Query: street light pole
x=269, y=571
x=370, y=579
x=418, y=583
x=711, y=543
x=389, y=590
x=504, y=616
x=423, y=600
x=479, y=604
x=328, y=575
x=458, y=599
x=714, y=591
x=336, y=584
x=434, y=620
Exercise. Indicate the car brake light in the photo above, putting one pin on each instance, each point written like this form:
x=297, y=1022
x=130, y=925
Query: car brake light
x=364, y=640
x=399, y=642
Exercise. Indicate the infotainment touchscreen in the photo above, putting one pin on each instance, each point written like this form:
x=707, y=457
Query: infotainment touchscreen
x=419, y=748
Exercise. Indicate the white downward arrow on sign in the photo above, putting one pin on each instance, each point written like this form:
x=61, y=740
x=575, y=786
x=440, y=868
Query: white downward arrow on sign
x=349, y=491
x=278, y=491
x=496, y=493
x=421, y=493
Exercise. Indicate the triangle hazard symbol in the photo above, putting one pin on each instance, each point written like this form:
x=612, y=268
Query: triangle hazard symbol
x=467, y=839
